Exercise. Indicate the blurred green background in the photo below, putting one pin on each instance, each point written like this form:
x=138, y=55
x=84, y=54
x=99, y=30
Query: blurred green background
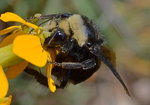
x=125, y=25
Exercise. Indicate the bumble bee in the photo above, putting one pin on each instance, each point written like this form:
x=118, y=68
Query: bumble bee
x=81, y=49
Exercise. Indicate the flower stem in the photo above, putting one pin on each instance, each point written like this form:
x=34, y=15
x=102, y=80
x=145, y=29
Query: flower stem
x=7, y=57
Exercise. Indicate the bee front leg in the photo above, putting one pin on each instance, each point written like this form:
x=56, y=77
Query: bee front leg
x=68, y=46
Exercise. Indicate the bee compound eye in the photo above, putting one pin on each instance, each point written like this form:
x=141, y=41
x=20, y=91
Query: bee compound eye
x=61, y=36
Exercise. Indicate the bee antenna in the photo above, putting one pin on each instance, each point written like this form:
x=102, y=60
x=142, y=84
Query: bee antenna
x=49, y=42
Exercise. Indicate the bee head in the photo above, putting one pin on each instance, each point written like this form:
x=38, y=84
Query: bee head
x=57, y=38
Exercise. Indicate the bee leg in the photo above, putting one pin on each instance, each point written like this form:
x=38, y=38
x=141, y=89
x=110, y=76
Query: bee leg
x=68, y=46
x=85, y=65
x=38, y=76
x=88, y=64
x=65, y=80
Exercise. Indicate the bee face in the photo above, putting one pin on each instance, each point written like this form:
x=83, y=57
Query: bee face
x=81, y=48
x=57, y=39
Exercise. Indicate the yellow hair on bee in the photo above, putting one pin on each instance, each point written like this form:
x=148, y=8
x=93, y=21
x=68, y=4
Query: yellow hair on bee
x=79, y=30
x=65, y=26
x=52, y=24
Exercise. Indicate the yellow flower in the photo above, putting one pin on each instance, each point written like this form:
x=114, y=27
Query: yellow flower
x=11, y=17
x=26, y=46
x=4, y=89
x=6, y=100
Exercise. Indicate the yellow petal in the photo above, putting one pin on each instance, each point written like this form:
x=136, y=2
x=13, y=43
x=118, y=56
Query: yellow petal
x=52, y=55
x=9, y=39
x=15, y=70
x=3, y=83
x=9, y=29
x=29, y=48
x=51, y=83
x=11, y=17
x=6, y=100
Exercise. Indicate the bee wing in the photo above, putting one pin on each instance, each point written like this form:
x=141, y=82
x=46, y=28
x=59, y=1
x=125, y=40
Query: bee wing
x=109, y=54
x=108, y=58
